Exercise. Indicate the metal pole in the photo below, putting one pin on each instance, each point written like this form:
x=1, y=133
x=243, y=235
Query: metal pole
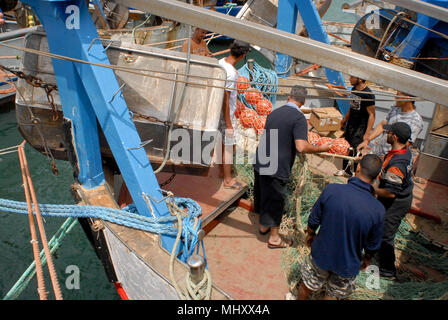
x=380, y=72
x=422, y=7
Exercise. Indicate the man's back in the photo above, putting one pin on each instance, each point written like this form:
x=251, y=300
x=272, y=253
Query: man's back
x=350, y=220
x=290, y=124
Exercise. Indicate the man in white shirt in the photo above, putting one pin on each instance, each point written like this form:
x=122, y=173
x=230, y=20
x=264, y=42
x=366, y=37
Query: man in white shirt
x=227, y=122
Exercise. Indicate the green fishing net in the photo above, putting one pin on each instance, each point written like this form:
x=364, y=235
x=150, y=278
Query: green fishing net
x=304, y=187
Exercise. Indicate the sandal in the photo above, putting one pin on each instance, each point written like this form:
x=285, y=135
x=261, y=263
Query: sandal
x=235, y=186
x=283, y=244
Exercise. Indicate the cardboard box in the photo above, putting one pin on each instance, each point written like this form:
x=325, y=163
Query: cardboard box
x=326, y=119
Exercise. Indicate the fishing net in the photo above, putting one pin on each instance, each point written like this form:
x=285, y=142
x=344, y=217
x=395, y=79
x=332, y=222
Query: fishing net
x=304, y=187
x=264, y=107
x=248, y=117
x=252, y=96
x=242, y=84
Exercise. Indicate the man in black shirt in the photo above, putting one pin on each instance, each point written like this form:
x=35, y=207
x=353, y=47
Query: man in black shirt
x=358, y=120
x=285, y=134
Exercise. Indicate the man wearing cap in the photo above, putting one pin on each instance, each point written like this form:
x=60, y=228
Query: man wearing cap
x=394, y=191
x=227, y=122
x=285, y=134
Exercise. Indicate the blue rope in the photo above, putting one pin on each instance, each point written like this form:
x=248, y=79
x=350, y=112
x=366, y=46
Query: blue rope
x=127, y=216
x=267, y=79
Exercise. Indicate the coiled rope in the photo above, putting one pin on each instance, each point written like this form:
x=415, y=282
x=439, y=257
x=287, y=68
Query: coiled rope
x=265, y=80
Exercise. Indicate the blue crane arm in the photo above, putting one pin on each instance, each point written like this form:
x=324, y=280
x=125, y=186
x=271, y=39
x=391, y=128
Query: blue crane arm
x=286, y=21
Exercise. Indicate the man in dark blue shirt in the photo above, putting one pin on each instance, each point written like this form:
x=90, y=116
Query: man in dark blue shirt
x=351, y=221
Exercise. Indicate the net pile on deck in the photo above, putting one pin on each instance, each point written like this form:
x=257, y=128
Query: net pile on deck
x=303, y=189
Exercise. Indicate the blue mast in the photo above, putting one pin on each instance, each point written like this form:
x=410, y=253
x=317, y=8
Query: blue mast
x=90, y=95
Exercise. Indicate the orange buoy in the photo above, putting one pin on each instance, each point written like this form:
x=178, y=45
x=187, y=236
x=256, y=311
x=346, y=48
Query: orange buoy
x=340, y=146
x=259, y=124
x=264, y=107
x=247, y=117
x=239, y=108
x=252, y=96
x=242, y=84
x=324, y=140
x=313, y=137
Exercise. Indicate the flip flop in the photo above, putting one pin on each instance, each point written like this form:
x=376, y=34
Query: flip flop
x=264, y=232
x=281, y=245
x=235, y=186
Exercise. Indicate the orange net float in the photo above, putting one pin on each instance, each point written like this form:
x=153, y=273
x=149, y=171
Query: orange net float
x=252, y=96
x=248, y=117
x=313, y=137
x=242, y=84
x=340, y=146
x=259, y=124
x=264, y=107
x=324, y=140
x=239, y=108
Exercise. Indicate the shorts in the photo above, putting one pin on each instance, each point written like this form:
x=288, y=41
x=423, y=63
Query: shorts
x=228, y=140
x=315, y=278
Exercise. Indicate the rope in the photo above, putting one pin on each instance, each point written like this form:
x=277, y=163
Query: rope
x=199, y=291
x=141, y=72
x=29, y=273
x=29, y=188
x=126, y=216
x=263, y=79
x=34, y=242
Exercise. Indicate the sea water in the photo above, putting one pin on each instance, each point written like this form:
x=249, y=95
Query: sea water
x=75, y=254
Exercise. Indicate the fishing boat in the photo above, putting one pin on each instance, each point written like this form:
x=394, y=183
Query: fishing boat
x=111, y=106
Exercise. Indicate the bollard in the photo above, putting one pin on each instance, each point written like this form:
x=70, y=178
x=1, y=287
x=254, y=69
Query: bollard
x=196, y=263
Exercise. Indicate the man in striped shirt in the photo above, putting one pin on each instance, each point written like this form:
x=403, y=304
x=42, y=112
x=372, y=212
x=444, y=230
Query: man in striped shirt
x=404, y=111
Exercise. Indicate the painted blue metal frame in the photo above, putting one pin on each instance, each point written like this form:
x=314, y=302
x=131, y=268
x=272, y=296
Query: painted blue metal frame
x=417, y=37
x=91, y=95
x=286, y=21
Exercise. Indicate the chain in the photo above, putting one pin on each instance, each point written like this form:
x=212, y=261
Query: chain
x=167, y=181
x=37, y=83
x=35, y=121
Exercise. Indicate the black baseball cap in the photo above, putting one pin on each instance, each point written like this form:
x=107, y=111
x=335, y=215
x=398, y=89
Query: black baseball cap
x=401, y=129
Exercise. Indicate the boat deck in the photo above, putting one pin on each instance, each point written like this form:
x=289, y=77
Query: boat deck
x=240, y=261
x=238, y=258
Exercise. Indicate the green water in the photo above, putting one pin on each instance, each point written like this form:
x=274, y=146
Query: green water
x=15, y=248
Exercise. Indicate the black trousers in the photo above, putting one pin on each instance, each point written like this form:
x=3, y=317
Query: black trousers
x=269, y=199
x=396, y=209
x=354, y=136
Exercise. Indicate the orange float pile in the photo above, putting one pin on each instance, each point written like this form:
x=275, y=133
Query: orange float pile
x=313, y=138
x=242, y=84
x=338, y=146
x=254, y=117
